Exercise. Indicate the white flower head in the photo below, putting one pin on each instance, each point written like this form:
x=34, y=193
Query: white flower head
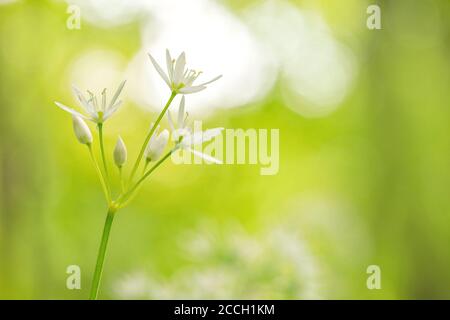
x=197, y=138
x=184, y=138
x=81, y=129
x=95, y=111
x=120, y=153
x=156, y=145
x=180, y=79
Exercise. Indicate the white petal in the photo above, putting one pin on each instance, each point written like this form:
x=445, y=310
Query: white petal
x=202, y=137
x=104, y=99
x=116, y=95
x=84, y=103
x=160, y=71
x=210, y=134
x=183, y=133
x=169, y=65
x=169, y=119
x=156, y=147
x=181, y=113
x=163, y=138
x=71, y=111
x=193, y=139
x=155, y=134
x=210, y=81
x=187, y=90
x=205, y=156
x=111, y=110
x=179, y=68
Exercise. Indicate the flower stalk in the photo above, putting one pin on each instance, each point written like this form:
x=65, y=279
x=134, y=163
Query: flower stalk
x=180, y=80
x=102, y=252
x=102, y=152
x=125, y=198
x=100, y=175
x=149, y=135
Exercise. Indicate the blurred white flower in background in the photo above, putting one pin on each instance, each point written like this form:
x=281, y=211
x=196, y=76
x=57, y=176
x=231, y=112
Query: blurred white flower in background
x=337, y=234
x=110, y=13
x=316, y=70
x=229, y=263
x=134, y=286
x=320, y=243
x=7, y=1
x=96, y=69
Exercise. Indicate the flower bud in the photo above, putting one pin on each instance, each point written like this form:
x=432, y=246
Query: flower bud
x=156, y=145
x=81, y=129
x=120, y=153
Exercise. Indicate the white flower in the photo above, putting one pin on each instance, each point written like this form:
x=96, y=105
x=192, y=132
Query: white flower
x=185, y=139
x=81, y=129
x=95, y=112
x=179, y=79
x=120, y=153
x=156, y=145
x=197, y=138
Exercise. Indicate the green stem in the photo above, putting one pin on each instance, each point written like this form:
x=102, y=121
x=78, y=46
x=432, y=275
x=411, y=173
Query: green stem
x=100, y=175
x=101, y=253
x=102, y=151
x=149, y=135
x=122, y=183
x=125, y=198
x=145, y=166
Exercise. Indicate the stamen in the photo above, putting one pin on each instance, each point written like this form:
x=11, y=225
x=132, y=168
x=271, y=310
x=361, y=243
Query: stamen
x=93, y=99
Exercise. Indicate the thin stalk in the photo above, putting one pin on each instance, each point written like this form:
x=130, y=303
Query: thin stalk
x=125, y=198
x=101, y=253
x=122, y=183
x=149, y=135
x=100, y=175
x=102, y=151
x=145, y=166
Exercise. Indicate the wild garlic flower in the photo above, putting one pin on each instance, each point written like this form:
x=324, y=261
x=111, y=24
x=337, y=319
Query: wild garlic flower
x=197, y=138
x=120, y=153
x=184, y=138
x=81, y=129
x=95, y=111
x=180, y=79
x=156, y=145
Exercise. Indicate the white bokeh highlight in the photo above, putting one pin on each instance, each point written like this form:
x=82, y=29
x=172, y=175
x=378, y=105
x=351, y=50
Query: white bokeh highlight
x=271, y=40
x=215, y=42
x=316, y=70
x=97, y=69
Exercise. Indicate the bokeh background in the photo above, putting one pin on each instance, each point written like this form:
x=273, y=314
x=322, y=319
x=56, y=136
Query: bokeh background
x=364, y=173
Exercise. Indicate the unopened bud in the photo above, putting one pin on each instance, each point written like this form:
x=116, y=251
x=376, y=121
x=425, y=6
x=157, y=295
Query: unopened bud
x=81, y=129
x=120, y=153
x=156, y=145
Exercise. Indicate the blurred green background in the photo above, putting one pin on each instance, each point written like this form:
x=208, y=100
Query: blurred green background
x=364, y=175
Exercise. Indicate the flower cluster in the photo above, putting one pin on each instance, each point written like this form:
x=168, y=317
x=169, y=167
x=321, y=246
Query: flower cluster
x=180, y=80
x=226, y=261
